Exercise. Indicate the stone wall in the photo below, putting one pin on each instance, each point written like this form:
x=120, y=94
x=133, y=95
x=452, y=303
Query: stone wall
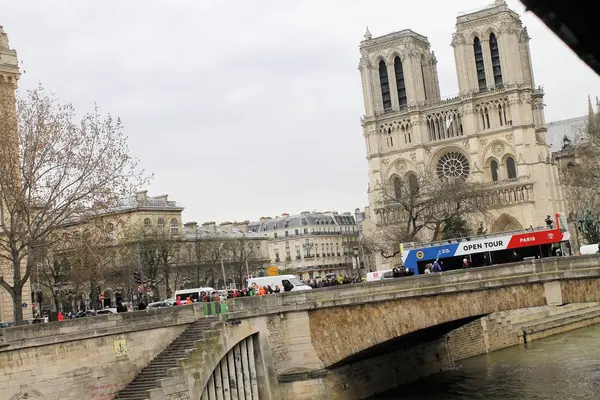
x=86, y=358
x=365, y=378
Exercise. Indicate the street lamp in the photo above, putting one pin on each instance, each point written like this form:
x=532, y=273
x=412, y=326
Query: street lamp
x=355, y=250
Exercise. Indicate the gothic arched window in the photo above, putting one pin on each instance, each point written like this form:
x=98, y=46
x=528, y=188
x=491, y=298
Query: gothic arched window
x=494, y=170
x=385, y=86
x=397, y=187
x=400, y=81
x=413, y=184
x=479, y=64
x=511, y=169
x=495, y=60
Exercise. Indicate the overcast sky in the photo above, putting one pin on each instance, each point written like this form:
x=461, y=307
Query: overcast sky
x=244, y=108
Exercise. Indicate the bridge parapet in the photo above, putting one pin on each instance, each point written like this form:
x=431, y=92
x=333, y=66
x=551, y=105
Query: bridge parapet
x=545, y=270
x=102, y=325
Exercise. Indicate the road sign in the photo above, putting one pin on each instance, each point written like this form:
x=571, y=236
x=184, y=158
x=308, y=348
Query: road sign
x=272, y=271
x=101, y=296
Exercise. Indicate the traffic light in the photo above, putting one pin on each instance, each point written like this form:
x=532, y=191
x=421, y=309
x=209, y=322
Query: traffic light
x=137, y=277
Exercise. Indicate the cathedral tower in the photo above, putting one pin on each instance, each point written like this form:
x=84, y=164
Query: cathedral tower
x=493, y=132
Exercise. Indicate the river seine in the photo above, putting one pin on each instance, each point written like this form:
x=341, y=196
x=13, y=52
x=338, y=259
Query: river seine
x=565, y=366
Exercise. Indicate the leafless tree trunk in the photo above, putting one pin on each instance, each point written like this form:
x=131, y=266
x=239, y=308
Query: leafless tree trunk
x=67, y=170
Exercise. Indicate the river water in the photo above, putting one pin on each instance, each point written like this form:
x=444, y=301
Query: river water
x=565, y=366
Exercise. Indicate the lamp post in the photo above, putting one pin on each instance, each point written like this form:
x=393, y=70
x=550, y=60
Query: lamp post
x=186, y=282
x=58, y=288
x=355, y=250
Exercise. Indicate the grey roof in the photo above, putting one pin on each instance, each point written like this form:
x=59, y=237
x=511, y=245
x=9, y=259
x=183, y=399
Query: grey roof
x=301, y=220
x=199, y=232
x=573, y=128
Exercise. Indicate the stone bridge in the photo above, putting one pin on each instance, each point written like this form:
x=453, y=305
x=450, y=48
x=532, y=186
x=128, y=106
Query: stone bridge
x=345, y=342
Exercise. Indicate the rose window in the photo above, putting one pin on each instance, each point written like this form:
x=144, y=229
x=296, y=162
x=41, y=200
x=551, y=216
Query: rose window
x=453, y=165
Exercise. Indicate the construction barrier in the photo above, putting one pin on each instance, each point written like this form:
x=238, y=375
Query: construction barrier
x=215, y=308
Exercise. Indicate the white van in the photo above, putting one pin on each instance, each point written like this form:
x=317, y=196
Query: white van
x=287, y=283
x=379, y=275
x=588, y=249
x=195, y=294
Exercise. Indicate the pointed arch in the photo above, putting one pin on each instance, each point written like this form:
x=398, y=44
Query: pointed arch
x=511, y=167
x=479, y=65
x=384, y=82
x=505, y=223
x=494, y=170
x=397, y=186
x=495, y=53
x=413, y=183
x=400, y=85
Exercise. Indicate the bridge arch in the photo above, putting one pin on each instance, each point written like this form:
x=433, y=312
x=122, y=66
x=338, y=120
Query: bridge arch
x=235, y=375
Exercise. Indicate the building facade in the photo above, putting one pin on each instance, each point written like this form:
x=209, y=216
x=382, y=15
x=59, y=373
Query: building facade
x=9, y=147
x=568, y=143
x=493, y=132
x=312, y=244
x=109, y=236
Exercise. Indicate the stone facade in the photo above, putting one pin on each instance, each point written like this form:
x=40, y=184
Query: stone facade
x=311, y=244
x=87, y=358
x=493, y=132
x=9, y=143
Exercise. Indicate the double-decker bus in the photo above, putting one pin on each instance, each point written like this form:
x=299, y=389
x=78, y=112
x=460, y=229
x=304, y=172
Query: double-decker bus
x=491, y=249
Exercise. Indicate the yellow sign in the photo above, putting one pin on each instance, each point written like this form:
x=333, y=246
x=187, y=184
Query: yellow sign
x=120, y=347
x=420, y=255
x=272, y=271
x=401, y=249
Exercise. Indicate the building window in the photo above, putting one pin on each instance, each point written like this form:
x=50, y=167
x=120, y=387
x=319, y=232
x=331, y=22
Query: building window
x=174, y=226
x=494, y=170
x=385, y=86
x=389, y=139
x=147, y=222
x=485, y=118
x=306, y=231
x=161, y=222
x=413, y=184
x=397, y=187
x=286, y=234
x=495, y=60
x=298, y=255
x=479, y=64
x=275, y=235
x=511, y=169
x=453, y=165
x=277, y=259
x=400, y=81
x=296, y=232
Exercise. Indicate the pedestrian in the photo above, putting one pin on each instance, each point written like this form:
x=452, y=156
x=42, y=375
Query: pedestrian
x=178, y=301
x=60, y=316
x=465, y=263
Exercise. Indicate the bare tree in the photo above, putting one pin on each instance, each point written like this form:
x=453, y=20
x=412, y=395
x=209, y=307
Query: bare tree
x=243, y=255
x=209, y=250
x=64, y=170
x=158, y=252
x=421, y=207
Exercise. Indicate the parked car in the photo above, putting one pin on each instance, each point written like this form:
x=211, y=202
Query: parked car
x=6, y=324
x=106, y=311
x=160, y=304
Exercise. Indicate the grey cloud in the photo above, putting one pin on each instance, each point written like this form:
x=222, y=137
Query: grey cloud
x=248, y=107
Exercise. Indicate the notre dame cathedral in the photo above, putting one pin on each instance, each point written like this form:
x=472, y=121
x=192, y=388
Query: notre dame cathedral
x=493, y=132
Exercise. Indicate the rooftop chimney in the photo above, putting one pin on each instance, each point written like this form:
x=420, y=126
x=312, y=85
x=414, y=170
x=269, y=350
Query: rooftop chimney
x=141, y=195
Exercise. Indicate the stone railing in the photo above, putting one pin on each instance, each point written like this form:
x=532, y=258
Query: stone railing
x=507, y=182
x=102, y=325
x=483, y=278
